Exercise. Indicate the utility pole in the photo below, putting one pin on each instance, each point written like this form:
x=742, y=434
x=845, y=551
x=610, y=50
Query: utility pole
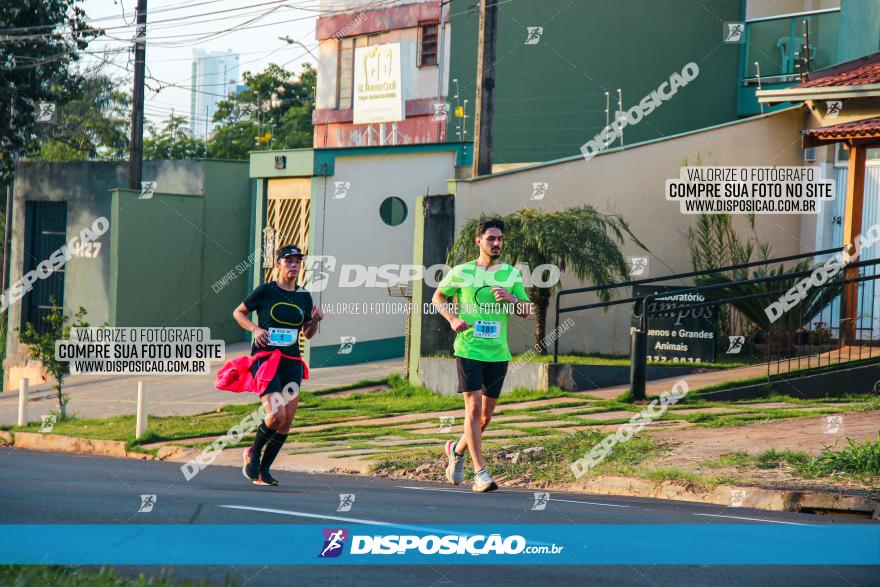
x=485, y=87
x=137, y=100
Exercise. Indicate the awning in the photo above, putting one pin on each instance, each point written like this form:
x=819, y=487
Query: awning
x=865, y=131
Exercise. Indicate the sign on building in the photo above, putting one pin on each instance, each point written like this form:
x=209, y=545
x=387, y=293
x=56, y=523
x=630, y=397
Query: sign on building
x=378, y=91
x=682, y=334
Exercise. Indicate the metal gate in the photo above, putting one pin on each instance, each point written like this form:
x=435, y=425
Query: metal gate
x=45, y=231
x=287, y=220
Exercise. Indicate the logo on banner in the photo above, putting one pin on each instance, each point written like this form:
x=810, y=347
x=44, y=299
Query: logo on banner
x=334, y=540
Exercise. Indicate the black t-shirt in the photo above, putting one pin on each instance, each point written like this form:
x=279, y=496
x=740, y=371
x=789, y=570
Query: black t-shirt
x=282, y=309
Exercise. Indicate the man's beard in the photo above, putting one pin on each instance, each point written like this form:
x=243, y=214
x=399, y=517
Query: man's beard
x=494, y=256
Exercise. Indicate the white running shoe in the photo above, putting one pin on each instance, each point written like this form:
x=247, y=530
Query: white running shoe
x=483, y=482
x=455, y=468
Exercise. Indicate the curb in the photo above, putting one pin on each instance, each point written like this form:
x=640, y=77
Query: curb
x=69, y=444
x=813, y=502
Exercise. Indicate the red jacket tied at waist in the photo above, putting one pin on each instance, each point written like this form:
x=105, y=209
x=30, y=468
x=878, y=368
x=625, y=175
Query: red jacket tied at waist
x=236, y=375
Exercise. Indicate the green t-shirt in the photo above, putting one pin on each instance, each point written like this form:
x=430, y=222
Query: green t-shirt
x=486, y=340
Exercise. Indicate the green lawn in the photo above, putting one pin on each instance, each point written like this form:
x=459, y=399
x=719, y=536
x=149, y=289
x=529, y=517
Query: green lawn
x=56, y=576
x=314, y=409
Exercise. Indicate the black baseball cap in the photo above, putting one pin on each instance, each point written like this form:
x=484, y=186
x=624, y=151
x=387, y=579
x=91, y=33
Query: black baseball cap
x=288, y=251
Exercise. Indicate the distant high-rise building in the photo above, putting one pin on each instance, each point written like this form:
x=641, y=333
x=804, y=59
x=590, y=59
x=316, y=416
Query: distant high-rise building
x=214, y=78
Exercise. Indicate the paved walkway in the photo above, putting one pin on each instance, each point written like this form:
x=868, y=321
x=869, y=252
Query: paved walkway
x=105, y=396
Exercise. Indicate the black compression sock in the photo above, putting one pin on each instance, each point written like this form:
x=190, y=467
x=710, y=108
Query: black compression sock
x=272, y=448
x=264, y=435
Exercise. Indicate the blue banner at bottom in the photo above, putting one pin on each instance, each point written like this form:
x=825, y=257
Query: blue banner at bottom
x=220, y=544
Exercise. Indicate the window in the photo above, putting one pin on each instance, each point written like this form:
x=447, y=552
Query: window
x=392, y=211
x=345, y=87
x=427, y=43
x=841, y=158
x=346, y=73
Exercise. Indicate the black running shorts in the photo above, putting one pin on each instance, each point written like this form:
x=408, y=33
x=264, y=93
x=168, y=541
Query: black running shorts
x=288, y=371
x=484, y=376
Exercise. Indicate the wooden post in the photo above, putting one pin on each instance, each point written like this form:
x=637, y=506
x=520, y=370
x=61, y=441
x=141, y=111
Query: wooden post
x=852, y=227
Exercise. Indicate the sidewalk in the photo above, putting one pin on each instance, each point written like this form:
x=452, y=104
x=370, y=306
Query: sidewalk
x=106, y=396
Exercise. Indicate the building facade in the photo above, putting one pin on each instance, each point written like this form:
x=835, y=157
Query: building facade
x=162, y=262
x=421, y=31
x=214, y=78
x=565, y=69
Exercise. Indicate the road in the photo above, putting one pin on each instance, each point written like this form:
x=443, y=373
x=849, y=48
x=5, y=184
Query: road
x=53, y=488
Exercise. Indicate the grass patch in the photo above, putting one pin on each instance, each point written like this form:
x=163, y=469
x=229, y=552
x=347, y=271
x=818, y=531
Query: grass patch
x=314, y=409
x=860, y=460
x=25, y=575
x=855, y=460
x=552, y=465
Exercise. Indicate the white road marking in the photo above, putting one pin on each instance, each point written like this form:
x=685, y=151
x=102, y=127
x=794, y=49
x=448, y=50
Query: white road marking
x=610, y=505
x=356, y=521
x=754, y=519
x=328, y=517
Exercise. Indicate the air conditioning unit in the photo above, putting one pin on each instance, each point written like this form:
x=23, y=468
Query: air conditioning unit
x=810, y=154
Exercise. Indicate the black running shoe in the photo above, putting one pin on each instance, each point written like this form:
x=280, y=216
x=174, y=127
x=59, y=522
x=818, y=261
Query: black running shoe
x=249, y=469
x=265, y=479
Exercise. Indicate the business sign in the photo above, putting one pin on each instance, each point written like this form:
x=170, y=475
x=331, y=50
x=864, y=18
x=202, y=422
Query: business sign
x=378, y=91
x=683, y=334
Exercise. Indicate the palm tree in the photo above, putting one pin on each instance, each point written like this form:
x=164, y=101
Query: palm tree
x=579, y=240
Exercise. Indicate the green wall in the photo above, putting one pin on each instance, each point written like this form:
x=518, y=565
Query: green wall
x=550, y=96
x=226, y=228
x=859, y=29
x=156, y=258
x=169, y=251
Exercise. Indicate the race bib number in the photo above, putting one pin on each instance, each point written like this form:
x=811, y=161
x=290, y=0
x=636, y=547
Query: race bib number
x=282, y=336
x=487, y=329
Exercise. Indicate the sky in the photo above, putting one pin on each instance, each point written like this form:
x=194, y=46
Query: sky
x=176, y=28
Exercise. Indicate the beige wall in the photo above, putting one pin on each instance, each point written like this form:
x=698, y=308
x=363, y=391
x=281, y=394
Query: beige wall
x=767, y=8
x=631, y=183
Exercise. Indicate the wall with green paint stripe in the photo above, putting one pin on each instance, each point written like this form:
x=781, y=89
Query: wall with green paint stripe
x=361, y=352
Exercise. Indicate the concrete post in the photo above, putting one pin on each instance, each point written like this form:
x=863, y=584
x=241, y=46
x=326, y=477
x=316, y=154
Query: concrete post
x=141, y=421
x=22, y=402
x=434, y=233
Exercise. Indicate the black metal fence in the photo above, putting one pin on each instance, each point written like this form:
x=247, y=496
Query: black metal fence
x=808, y=336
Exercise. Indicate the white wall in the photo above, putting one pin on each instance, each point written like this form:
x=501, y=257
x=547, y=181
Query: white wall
x=631, y=183
x=355, y=234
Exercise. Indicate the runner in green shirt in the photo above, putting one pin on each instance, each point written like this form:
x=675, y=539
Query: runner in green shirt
x=487, y=292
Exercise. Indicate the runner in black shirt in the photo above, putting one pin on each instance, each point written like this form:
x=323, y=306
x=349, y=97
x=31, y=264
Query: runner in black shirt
x=283, y=310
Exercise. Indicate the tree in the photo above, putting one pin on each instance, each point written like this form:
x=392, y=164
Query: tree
x=41, y=38
x=577, y=240
x=91, y=124
x=41, y=346
x=282, y=115
x=174, y=142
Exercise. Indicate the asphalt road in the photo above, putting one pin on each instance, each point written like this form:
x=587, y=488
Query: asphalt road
x=51, y=488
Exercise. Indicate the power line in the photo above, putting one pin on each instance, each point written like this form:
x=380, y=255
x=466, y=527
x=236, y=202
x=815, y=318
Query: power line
x=279, y=3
